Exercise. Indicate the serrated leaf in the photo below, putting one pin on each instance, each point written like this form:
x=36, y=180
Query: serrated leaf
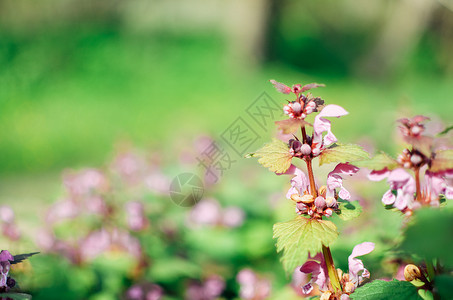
x=15, y=296
x=386, y=290
x=274, y=155
x=379, y=162
x=443, y=160
x=300, y=237
x=348, y=210
x=342, y=153
x=291, y=125
x=21, y=257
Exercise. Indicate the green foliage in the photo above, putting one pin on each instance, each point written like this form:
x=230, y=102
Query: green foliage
x=386, y=290
x=429, y=235
x=443, y=160
x=342, y=153
x=300, y=237
x=378, y=162
x=444, y=284
x=274, y=155
x=348, y=210
x=15, y=296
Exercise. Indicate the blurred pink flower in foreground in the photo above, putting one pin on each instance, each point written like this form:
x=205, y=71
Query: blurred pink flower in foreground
x=209, y=289
x=251, y=286
x=208, y=212
x=8, y=225
x=144, y=291
x=136, y=218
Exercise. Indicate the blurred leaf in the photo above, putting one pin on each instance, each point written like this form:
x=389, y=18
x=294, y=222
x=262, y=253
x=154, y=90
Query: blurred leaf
x=168, y=269
x=443, y=160
x=349, y=210
x=290, y=125
x=274, y=155
x=444, y=284
x=429, y=235
x=445, y=131
x=342, y=153
x=301, y=237
x=386, y=290
x=15, y=296
x=21, y=257
x=311, y=86
x=378, y=162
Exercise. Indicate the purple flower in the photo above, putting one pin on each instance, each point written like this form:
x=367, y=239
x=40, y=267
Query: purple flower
x=317, y=267
x=9, y=227
x=322, y=125
x=5, y=264
x=210, y=289
x=85, y=182
x=206, y=212
x=357, y=271
x=400, y=181
x=251, y=286
x=136, y=218
x=334, y=180
x=144, y=291
x=299, y=183
x=233, y=216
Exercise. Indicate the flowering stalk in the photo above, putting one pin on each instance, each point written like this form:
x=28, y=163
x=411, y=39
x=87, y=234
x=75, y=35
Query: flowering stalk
x=333, y=274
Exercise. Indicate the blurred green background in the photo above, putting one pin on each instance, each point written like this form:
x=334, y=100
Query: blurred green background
x=78, y=77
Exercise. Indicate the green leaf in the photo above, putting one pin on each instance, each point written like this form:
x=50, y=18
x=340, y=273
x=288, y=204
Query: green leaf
x=21, y=257
x=15, y=296
x=291, y=125
x=444, y=284
x=443, y=160
x=342, y=153
x=274, y=155
x=386, y=290
x=445, y=131
x=429, y=235
x=378, y=162
x=300, y=237
x=348, y=210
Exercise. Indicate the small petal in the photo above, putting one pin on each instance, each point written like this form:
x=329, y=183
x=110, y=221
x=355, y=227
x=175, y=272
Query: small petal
x=306, y=289
x=388, y=198
x=378, y=175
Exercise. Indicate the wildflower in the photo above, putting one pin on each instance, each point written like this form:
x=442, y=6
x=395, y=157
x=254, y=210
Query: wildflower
x=136, y=218
x=318, y=269
x=322, y=125
x=5, y=264
x=251, y=286
x=357, y=271
x=334, y=180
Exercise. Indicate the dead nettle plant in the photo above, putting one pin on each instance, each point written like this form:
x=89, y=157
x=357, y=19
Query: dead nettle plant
x=420, y=177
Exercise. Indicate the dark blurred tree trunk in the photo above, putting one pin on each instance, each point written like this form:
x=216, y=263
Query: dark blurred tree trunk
x=398, y=37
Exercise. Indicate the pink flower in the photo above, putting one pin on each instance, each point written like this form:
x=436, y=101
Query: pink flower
x=5, y=264
x=299, y=183
x=334, y=180
x=317, y=267
x=322, y=125
x=357, y=271
x=401, y=182
x=136, y=218
x=252, y=287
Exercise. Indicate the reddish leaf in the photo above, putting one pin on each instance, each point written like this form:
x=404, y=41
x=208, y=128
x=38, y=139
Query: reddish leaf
x=282, y=88
x=311, y=86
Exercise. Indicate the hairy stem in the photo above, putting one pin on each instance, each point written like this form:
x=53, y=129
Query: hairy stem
x=311, y=177
x=304, y=134
x=333, y=275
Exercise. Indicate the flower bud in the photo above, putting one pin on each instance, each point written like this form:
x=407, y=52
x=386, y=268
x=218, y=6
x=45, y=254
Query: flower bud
x=328, y=212
x=416, y=130
x=416, y=159
x=296, y=107
x=296, y=197
x=305, y=149
x=300, y=206
x=320, y=203
x=316, y=151
x=349, y=287
x=339, y=273
x=412, y=272
x=307, y=199
x=331, y=202
x=326, y=295
x=407, y=165
x=10, y=282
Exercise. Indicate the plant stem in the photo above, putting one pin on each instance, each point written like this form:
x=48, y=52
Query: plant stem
x=311, y=177
x=333, y=275
x=417, y=184
x=304, y=134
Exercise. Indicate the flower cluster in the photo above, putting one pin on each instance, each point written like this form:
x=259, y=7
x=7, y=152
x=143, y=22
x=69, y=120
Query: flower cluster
x=432, y=172
x=6, y=282
x=326, y=201
x=208, y=212
x=316, y=266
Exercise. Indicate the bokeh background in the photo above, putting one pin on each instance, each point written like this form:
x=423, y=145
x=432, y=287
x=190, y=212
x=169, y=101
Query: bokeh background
x=84, y=81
